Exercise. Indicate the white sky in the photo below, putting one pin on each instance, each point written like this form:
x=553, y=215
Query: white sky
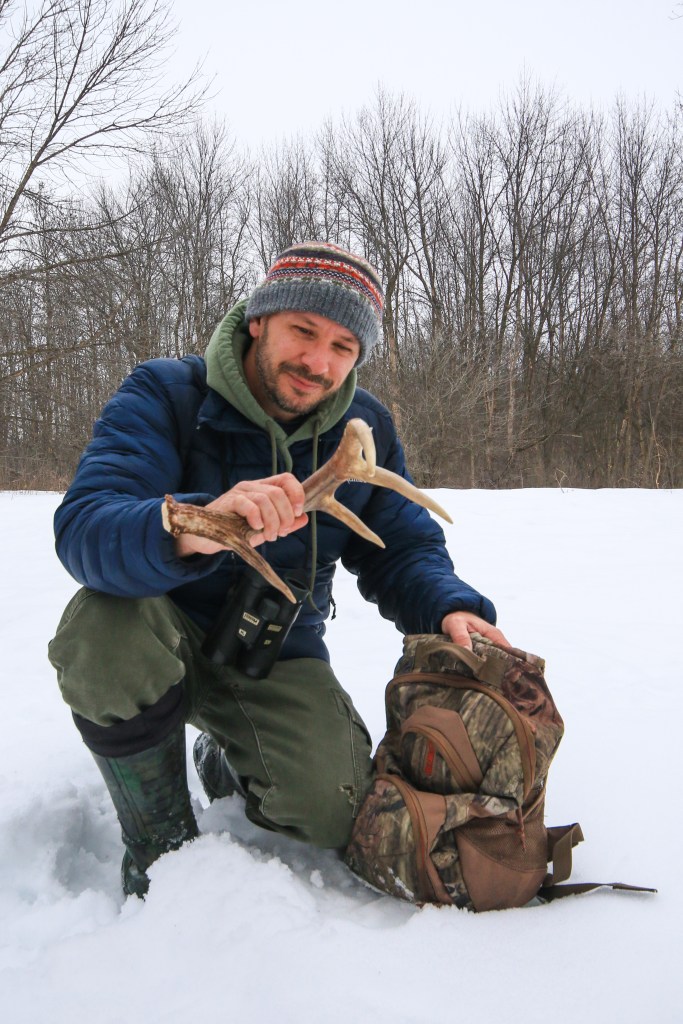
x=283, y=66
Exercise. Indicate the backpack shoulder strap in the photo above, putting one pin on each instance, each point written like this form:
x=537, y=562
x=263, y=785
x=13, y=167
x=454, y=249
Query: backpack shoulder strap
x=198, y=368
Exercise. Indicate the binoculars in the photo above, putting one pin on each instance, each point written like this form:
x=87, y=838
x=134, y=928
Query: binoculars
x=253, y=625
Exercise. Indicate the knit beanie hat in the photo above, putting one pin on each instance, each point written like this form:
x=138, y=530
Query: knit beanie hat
x=318, y=277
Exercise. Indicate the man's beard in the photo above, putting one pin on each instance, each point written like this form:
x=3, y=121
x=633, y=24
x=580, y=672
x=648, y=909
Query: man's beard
x=269, y=378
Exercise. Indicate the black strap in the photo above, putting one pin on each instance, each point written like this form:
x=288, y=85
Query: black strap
x=556, y=892
x=186, y=430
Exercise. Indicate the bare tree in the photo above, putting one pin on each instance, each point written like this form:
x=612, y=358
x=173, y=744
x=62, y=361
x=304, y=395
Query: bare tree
x=287, y=204
x=78, y=79
x=532, y=257
x=201, y=193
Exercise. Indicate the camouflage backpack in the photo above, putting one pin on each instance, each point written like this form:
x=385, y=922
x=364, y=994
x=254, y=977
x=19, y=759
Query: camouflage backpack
x=455, y=815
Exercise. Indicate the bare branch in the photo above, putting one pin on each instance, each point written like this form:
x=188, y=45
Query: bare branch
x=82, y=78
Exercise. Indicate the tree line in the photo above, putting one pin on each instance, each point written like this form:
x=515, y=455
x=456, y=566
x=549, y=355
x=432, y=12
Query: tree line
x=532, y=257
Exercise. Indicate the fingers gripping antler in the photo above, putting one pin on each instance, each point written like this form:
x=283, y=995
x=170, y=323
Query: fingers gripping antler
x=226, y=528
x=354, y=459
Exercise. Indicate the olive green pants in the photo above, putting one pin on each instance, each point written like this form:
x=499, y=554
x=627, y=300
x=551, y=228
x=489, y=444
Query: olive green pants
x=294, y=737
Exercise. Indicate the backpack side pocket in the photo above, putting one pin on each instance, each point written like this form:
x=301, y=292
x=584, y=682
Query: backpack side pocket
x=503, y=863
x=392, y=838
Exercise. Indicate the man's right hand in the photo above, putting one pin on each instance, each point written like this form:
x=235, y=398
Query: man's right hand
x=273, y=507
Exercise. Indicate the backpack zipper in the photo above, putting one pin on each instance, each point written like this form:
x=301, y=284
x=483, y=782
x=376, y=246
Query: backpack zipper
x=458, y=768
x=433, y=889
x=525, y=740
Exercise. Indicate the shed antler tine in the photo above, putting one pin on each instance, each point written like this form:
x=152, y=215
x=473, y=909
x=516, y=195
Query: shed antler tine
x=385, y=478
x=362, y=451
x=344, y=515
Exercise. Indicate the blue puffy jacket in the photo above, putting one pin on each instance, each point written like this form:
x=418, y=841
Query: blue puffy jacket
x=164, y=432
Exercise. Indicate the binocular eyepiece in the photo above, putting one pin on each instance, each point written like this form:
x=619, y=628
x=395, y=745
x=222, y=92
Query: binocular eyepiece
x=253, y=625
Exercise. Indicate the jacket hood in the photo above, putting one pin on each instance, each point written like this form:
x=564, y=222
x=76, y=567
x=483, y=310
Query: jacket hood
x=225, y=374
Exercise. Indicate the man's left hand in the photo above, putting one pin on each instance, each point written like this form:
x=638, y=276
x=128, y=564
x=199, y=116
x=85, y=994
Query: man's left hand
x=459, y=625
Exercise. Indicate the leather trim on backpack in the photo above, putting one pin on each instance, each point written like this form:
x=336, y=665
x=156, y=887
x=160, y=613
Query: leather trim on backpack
x=502, y=865
x=524, y=735
x=427, y=813
x=446, y=732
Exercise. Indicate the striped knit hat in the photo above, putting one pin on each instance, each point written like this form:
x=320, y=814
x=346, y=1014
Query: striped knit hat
x=318, y=277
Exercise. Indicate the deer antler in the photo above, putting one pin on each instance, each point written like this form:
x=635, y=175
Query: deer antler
x=354, y=459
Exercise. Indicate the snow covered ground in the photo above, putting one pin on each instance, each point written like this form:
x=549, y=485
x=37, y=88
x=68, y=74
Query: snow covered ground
x=245, y=926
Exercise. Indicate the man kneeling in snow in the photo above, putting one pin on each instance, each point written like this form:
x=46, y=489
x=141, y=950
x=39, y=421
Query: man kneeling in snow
x=239, y=433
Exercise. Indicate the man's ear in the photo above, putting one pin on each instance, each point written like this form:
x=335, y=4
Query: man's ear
x=255, y=326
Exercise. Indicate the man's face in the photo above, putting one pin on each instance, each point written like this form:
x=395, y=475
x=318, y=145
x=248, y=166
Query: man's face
x=296, y=361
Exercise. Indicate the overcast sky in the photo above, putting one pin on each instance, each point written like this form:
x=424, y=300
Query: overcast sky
x=283, y=66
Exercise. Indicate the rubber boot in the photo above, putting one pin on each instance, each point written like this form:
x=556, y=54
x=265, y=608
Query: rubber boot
x=215, y=772
x=152, y=802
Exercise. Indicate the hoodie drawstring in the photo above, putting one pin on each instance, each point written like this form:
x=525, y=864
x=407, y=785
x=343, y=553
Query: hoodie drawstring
x=312, y=546
x=273, y=448
x=314, y=523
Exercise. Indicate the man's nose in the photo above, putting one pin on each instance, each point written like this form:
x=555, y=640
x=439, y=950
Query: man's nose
x=316, y=359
